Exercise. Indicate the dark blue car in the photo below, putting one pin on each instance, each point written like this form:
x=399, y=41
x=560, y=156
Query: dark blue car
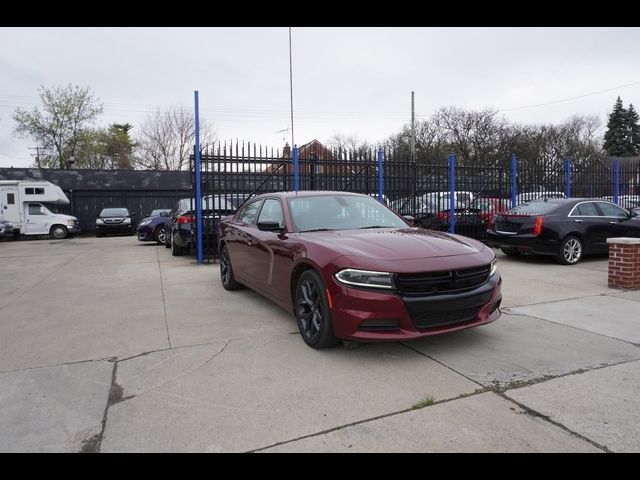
x=152, y=228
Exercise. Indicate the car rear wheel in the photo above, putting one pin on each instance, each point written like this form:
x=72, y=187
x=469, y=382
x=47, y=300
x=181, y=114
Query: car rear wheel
x=512, y=252
x=312, y=311
x=570, y=251
x=160, y=235
x=175, y=250
x=167, y=238
x=226, y=271
x=59, y=232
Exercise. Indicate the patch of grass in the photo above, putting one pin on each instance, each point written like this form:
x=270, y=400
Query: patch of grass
x=425, y=402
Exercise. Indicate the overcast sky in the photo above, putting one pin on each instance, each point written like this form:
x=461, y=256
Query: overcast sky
x=348, y=80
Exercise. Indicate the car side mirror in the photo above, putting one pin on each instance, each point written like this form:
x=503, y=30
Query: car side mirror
x=269, y=226
x=410, y=219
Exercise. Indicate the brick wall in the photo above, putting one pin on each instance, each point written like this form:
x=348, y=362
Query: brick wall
x=624, y=263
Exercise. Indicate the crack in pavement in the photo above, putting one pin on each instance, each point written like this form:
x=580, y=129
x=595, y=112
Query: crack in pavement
x=522, y=314
x=482, y=389
x=164, y=304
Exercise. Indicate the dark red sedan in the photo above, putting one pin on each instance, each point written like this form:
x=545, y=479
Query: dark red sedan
x=350, y=268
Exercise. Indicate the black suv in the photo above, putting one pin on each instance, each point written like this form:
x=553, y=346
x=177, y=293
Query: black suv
x=115, y=220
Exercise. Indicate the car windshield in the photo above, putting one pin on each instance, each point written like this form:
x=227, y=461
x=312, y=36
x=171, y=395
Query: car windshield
x=114, y=212
x=533, y=208
x=158, y=211
x=341, y=212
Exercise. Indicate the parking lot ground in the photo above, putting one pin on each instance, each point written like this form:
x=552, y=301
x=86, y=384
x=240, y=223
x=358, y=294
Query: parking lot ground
x=111, y=345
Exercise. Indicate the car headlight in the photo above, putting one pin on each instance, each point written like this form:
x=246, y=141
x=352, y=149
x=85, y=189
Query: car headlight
x=99, y=221
x=70, y=221
x=494, y=267
x=364, y=278
x=143, y=223
x=127, y=220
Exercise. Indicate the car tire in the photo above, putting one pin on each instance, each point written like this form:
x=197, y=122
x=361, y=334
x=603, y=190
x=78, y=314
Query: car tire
x=226, y=271
x=58, y=232
x=159, y=236
x=570, y=251
x=312, y=313
x=167, y=238
x=175, y=250
x=512, y=252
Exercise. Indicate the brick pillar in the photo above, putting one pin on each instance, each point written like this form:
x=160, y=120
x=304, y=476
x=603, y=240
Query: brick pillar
x=624, y=263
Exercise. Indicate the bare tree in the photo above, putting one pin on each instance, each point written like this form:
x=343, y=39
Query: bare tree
x=348, y=144
x=167, y=137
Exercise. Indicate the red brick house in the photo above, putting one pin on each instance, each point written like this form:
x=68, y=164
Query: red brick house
x=314, y=155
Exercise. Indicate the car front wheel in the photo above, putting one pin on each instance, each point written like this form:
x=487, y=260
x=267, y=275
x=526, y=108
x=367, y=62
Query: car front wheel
x=570, y=251
x=312, y=311
x=160, y=236
x=226, y=271
x=59, y=232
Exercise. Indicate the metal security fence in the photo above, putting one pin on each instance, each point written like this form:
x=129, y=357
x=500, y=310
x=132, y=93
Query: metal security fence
x=440, y=193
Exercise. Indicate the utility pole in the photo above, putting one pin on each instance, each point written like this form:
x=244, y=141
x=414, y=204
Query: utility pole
x=413, y=129
x=291, y=88
x=37, y=154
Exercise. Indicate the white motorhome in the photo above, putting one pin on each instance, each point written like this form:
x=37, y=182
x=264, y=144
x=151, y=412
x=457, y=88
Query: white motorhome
x=23, y=204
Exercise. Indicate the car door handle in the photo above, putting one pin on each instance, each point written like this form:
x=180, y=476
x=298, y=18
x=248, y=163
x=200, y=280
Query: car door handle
x=578, y=221
x=613, y=223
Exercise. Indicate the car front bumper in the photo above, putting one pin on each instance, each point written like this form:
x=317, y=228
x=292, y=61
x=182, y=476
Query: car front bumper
x=115, y=228
x=145, y=234
x=360, y=314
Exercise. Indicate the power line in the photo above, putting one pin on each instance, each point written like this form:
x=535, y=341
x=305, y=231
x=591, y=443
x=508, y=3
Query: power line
x=570, y=98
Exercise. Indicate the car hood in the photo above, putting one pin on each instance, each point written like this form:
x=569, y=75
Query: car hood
x=394, y=244
x=66, y=217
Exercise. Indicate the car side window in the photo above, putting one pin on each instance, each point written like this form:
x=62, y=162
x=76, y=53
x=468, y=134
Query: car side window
x=272, y=212
x=611, y=210
x=35, y=209
x=249, y=213
x=587, y=210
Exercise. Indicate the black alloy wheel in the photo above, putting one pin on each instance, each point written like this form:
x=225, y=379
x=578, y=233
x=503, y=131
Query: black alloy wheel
x=312, y=311
x=226, y=271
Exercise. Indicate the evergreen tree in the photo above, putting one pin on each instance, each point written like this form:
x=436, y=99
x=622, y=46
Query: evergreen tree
x=616, y=139
x=634, y=130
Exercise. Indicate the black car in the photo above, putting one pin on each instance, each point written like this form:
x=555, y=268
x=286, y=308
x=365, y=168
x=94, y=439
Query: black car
x=152, y=228
x=115, y=220
x=181, y=226
x=564, y=228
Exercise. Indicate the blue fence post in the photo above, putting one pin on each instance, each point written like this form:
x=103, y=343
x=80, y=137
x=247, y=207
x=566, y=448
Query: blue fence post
x=514, y=177
x=198, y=198
x=616, y=181
x=380, y=176
x=296, y=171
x=567, y=178
x=452, y=193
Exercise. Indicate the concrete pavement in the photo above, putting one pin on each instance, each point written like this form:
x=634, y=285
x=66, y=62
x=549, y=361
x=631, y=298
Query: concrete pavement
x=113, y=345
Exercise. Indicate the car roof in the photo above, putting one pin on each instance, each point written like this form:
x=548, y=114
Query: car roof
x=309, y=193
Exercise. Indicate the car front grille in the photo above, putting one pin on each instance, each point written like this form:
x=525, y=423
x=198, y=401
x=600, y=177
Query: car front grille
x=436, y=319
x=432, y=283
